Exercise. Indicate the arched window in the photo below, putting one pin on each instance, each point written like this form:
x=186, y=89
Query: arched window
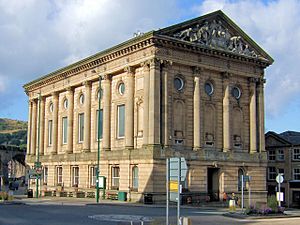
x=135, y=178
x=209, y=125
x=237, y=127
x=179, y=119
x=240, y=174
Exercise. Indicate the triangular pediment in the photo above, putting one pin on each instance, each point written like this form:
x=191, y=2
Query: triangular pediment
x=216, y=31
x=274, y=140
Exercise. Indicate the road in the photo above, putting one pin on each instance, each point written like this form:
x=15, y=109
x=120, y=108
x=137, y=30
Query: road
x=117, y=215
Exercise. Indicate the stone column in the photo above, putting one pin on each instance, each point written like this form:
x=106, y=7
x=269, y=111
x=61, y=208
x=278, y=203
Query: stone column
x=42, y=125
x=106, y=85
x=261, y=106
x=146, y=73
x=29, y=127
x=70, y=97
x=154, y=103
x=165, y=103
x=33, y=127
x=226, y=114
x=129, y=110
x=87, y=117
x=197, y=135
x=253, y=122
x=55, y=122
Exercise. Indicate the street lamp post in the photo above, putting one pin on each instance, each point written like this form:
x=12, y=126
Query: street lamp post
x=37, y=165
x=98, y=152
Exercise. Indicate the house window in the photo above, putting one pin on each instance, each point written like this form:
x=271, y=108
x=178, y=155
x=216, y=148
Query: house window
x=240, y=174
x=296, y=154
x=65, y=130
x=280, y=155
x=121, y=121
x=80, y=127
x=99, y=135
x=115, y=177
x=93, y=170
x=75, y=176
x=59, y=174
x=281, y=171
x=272, y=173
x=50, y=132
x=296, y=174
x=272, y=155
x=45, y=175
x=135, y=178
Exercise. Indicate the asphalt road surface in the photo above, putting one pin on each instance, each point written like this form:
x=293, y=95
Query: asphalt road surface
x=117, y=215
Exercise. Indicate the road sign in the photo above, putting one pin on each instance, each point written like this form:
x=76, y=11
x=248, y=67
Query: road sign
x=279, y=196
x=279, y=178
x=37, y=164
x=174, y=168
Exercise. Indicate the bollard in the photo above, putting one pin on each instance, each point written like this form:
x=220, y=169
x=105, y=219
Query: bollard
x=186, y=221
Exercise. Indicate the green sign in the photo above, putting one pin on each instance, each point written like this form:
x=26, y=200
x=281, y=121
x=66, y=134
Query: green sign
x=37, y=165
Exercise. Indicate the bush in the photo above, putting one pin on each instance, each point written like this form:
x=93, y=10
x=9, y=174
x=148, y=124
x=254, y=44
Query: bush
x=272, y=202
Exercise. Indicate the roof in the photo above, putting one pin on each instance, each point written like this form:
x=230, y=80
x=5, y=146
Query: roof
x=291, y=136
x=170, y=33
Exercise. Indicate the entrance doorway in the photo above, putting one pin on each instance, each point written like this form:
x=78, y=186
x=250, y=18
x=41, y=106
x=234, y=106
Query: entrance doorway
x=213, y=183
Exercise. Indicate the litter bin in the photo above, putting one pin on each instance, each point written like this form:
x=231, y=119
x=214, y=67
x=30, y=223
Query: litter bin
x=30, y=193
x=148, y=198
x=122, y=196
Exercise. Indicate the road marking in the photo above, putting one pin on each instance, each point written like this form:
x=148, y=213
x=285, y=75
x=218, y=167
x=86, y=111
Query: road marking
x=121, y=218
x=210, y=212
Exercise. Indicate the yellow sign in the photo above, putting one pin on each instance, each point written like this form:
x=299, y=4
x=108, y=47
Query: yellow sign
x=174, y=185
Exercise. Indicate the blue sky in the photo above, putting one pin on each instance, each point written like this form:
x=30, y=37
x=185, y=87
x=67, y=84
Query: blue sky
x=38, y=37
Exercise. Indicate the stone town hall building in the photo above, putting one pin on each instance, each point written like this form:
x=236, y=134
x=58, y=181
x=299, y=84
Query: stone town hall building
x=194, y=89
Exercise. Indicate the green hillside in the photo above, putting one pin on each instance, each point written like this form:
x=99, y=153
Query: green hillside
x=13, y=132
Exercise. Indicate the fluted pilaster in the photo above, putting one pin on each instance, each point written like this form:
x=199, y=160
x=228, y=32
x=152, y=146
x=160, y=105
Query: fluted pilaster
x=197, y=135
x=55, y=122
x=226, y=114
x=106, y=85
x=29, y=127
x=42, y=125
x=70, y=97
x=87, y=115
x=146, y=73
x=253, y=122
x=34, y=127
x=129, y=126
x=261, y=105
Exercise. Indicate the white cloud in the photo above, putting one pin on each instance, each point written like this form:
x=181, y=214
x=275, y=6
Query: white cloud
x=275, y=26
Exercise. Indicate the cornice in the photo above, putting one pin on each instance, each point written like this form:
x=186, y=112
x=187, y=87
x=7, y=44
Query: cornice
x=130, y=46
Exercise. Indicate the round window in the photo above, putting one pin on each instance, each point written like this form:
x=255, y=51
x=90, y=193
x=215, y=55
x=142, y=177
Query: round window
x=66, y=103
x=81, y=99
x=209, y=88
x=178, y=84
x=236, y=92
x=51, y=107
x=121, y=88
x=99, y=93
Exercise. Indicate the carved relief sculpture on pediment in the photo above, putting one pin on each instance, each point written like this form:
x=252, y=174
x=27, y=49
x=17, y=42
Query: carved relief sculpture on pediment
x=215, y=35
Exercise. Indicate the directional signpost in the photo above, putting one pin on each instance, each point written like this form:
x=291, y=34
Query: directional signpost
x=176, y=175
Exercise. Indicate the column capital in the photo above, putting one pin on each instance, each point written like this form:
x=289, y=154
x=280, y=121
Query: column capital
x=54, y=94
x=87, y=83
x=130, y=71
x=226, y=75
x=69, y=89
x=105, y=77
x=197, y=70
x=253, y=80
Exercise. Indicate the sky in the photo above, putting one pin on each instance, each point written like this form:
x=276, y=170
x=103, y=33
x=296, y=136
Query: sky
x=40, y=36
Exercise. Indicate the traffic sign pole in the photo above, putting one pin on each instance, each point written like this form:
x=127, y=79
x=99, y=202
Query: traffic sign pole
x=178, y=192
x=167, y=190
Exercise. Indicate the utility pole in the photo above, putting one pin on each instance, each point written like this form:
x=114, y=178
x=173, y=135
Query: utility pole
x=98, y=152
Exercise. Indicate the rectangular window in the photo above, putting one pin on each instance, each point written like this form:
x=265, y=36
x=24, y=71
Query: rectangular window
x=75, y=176
x=59, y=174
x=80, y=127
x=65, y=130
x=271, y=155
x=121, y=121
x=45, y=175
x=272, y=173
x=93, y=176
x=296, y=154
x=135, y=178
x=50, y=133
x=115, y=177
x=280, y=155
x=296, y=174
x=101, y=124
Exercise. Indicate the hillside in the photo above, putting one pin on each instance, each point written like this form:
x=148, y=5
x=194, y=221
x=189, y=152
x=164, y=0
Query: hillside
x=13, y=132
